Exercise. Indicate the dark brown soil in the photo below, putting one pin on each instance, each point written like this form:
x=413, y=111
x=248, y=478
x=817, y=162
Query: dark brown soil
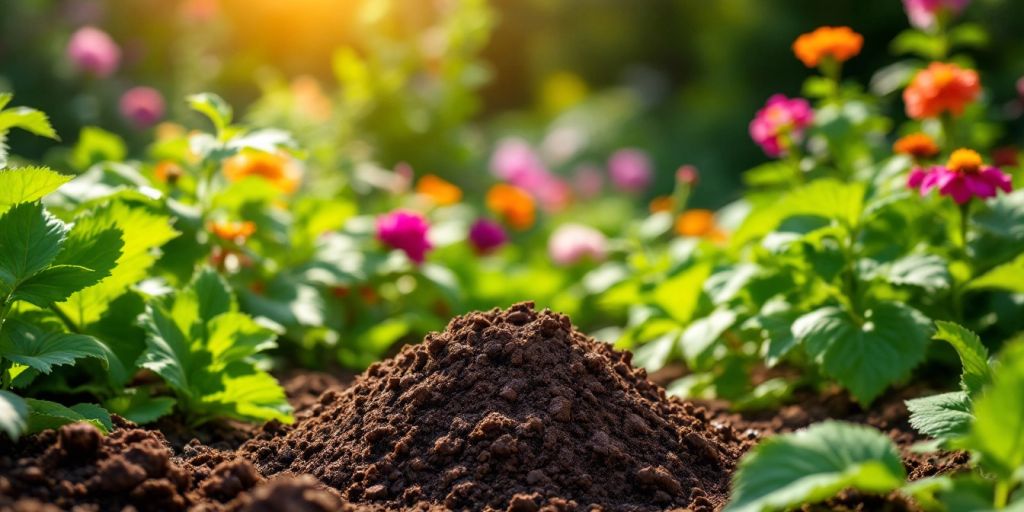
x=505, y=410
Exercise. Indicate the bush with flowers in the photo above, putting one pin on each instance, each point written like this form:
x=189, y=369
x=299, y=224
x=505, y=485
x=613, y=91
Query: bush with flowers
x=174, y=282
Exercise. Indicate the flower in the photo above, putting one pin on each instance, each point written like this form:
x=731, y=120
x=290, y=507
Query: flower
x=964, y=177
x=699, y=223
x=143, y=106
x=279, y=170
x=517, y=163
x=441, y=192
x=486, y=236
x=168, y=172
x=406, y=231
x=630, y=169
x=837, y=43
x=924, y=13
x=571, y=243
x=233, y=231
x=917, y=145
x=512, y=204
x=940, y=88
x=661, y=204
x=588, y=181
x=92, y=51
x=687, y=175
x=780, y=124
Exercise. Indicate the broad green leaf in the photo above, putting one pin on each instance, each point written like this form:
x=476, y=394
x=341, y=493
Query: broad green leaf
x=54, y=284
x=44, y=415
x=1003, y=216
x=213, y=107
x=724, y=286
x=865, y=357
x=929, y=272
x=973, y=355
x=944, y=416
x=253, y=396
x=13, y=415
x=813, y=465
x=679, y=294
x=775, y=321
x=27, y=184
x=828, y=198
x=1008, y=277
x=236, y=336
x=653, y=355
x=142, y=231
x=30, y=239
x=997, y=433
x=96, y=145
x=92, y=246
x=138, y=406
x=28, y=119
x=698, y=340
x=27, y=344
x=168, y=352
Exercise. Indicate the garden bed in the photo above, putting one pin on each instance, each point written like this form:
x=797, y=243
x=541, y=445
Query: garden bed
x=504, y=410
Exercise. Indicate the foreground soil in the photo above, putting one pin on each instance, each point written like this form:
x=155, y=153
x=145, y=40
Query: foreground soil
x=504, y=410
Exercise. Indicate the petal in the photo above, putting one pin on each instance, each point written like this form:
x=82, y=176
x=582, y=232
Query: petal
x=978, y=186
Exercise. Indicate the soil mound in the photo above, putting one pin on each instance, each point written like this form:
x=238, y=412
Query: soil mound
x=505, y=410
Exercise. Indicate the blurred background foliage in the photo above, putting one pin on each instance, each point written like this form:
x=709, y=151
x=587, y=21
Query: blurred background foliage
x=430, y=83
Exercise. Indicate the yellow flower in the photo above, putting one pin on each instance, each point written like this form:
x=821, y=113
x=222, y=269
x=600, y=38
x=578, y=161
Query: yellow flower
x=441, y=192
x=965, y=161
x=562, y=90
x=280, y=170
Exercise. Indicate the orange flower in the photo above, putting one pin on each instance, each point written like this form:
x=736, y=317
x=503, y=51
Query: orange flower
x=441, y=192
x=661, y=204
x=513, y=204
x=838, y=43
x=941, y=88
x=280, y=170
x=917, y=145
x=699, y=223
x=232, y=231
x=167, y=172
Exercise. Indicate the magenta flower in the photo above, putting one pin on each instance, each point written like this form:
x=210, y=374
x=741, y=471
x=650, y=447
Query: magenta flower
x=687, y=175
x=406, y=231
x=142, y=106
x=92, y=51
x=924, y=13
x=963, y=178
x=630, y=170
x=780, y=123
x=571, y=243
x=486, y=236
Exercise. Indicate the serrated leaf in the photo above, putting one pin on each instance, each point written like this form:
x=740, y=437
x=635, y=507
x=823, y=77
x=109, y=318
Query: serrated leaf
x=13, y=414
x=30, y=239
x=698, y=340
x=27, y=344
x=27, y=184
x=679, y=295
x=926, y=271
x=213, y=107
x=28, y=119
x=997, y=433
x=813, y=465
x=944, y=416
x=251, y=396
x=54, y=284
x=44, y=415
x=865, y=358
x=973, y=355
x=653, y=355
x=236, y=336
x=139, y=407
x=168, y=351
x=1007, y=277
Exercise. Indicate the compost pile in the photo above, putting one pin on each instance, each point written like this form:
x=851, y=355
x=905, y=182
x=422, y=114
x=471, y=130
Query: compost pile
x=505, y=410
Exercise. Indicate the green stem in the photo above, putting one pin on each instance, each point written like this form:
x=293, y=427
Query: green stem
x=1002, y=495
x=65, y=319
x=965, y=217
x=948, y=131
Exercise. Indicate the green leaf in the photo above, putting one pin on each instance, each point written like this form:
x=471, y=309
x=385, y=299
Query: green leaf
x=865, y=357
x=997, y=433
x=945, y=416
x=168, y=351
x=46, y=415
x=96, y=145
x=236, y=336
x=54, y=284
x=1007, y=277
x=698, y=340
x=253, y=396
x=13, y=413
x=813, y=465
x=27, y=344
x=973, y=355
x=139, y=407
x=679, y=294
x=142, y=231
x=828, y=198
x=27, y=184
x=28, y=119
x=654, y=354
x=929, y=272
x=30, y=239
x=213, y=107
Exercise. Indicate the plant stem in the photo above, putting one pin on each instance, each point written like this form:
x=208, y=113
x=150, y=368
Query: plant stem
x=65, y=319
x=1002, y=495
x=948, y=131
x=965, y=216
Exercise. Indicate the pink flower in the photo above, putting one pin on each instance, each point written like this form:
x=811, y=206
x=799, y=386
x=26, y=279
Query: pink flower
x=588, y=181
x=92, y=51
x=486, y=236
x=406, y=231
x=630, y=170
x=962, y=179
x=923, y=13
x=571, y=243
x=143, y=106
x=687, y=175
x=781, y=122
x=515, y=162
